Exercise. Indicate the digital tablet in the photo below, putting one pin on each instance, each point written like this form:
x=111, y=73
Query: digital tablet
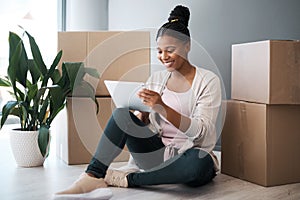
x=124, y=94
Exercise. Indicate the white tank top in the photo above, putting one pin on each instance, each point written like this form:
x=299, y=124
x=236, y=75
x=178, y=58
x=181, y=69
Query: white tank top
x=180, y=102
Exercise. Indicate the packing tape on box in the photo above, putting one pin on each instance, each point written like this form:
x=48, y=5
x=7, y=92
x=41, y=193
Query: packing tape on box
x=244, y=124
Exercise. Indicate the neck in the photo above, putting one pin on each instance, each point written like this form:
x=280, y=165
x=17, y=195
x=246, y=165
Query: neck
x=186, y=70
x=182, y=80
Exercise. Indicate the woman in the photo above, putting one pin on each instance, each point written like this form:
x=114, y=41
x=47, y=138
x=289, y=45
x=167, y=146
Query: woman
x=173, y=144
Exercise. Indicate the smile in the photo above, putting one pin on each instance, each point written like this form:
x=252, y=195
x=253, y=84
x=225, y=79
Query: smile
x=169, y=63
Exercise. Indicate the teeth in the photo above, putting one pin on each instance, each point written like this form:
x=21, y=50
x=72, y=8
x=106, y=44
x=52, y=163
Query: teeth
x=168, y=64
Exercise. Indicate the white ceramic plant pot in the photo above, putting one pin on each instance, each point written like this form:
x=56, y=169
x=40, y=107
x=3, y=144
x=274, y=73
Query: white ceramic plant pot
x=24, y=145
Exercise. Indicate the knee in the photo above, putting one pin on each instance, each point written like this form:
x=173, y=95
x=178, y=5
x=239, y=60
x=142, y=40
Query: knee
x=125, y=115
x=120, y=112
x=198, y=155
x=200, y=160
x=201, y=169
x=122, y=117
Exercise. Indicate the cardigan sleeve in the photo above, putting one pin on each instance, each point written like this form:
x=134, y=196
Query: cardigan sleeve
x=202, y=130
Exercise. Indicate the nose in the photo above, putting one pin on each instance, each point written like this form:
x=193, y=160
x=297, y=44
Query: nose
x=164, y=55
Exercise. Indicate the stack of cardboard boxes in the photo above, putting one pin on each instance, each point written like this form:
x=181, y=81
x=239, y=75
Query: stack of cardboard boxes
x=117, y=56
x=261, y=134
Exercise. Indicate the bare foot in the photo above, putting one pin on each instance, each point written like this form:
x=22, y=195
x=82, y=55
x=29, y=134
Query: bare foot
x=85, y=183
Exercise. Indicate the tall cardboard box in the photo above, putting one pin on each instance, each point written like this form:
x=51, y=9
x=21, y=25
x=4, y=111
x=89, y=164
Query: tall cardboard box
x=260, y=143
x=117, y=55
x=266, y=72
x=79, y=129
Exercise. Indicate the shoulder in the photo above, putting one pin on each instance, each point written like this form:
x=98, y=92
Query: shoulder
x=204, y=73
x=204, y=76
x=205, y=80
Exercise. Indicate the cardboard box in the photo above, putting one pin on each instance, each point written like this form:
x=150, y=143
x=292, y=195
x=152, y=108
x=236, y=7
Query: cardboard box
x=116, y=55
x=260, y=143
x=266, y=72
x=79, y=129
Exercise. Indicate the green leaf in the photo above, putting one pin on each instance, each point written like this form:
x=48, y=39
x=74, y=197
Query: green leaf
x=75, y=73
x=20, y=96
x=56, y=96
x=37, y=100
x=52, y=68
x=14, y=41
x=5, y=82
x=20, y=111
x=20, y=61
x=6, y=110
x=64, y=81
x=14, y=63
x=55, y=62
x=37, y=54
x=92, y=72
x=34, y=71
x=89, y=91
x=43, y=110
x=24, y=115
x=57, y=100
x=32, y=91
x=55, y=76
x=23, y=67
x=15, y=111
x=43, y=140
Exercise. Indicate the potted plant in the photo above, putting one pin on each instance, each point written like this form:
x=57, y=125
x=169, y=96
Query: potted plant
x=39, y=94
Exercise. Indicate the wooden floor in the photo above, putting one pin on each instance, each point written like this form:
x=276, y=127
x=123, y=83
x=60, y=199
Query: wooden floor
x=41, y=182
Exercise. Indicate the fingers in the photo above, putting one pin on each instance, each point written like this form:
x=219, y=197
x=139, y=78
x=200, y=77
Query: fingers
x=145, y=93
x=146, y=99
x=147, y=96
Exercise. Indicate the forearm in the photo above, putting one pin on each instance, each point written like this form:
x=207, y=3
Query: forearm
x=153, y=100
x=178, y=120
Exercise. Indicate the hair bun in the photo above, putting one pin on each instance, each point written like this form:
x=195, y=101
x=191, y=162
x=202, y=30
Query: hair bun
x=180, y=13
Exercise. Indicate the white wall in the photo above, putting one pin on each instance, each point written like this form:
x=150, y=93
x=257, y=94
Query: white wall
x=137, y=14
x=86, y=15
x=214, y=24
x=146, y=15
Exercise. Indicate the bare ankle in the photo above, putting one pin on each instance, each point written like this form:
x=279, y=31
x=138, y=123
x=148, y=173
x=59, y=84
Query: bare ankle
x=91, y=175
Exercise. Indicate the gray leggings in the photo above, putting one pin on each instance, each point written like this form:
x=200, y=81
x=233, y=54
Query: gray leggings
x=194, y=167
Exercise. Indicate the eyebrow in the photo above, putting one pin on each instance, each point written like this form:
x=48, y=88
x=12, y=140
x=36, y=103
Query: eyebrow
x=158, y=48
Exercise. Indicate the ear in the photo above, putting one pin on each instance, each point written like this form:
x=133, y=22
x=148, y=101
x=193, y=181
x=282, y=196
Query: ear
x=188, y=46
